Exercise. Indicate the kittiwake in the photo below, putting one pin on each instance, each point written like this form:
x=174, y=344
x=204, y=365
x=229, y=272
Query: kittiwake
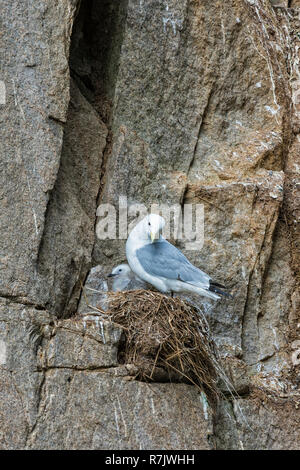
x=125, y=279
x=153, y=259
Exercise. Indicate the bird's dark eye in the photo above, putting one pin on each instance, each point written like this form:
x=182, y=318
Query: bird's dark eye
x=149, y=223
x=120, y=270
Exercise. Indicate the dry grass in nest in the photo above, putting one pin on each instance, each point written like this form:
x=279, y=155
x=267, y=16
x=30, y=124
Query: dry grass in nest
x=165, y=335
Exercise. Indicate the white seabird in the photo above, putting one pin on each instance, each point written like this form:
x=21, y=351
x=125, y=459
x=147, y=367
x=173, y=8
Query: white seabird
x=153, y=259
x=125, y=279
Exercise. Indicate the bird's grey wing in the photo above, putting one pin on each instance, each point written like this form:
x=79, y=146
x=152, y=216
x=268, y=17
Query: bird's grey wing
x=165, y=260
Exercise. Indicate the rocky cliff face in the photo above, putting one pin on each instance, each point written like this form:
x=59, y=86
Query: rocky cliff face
x=163, y=101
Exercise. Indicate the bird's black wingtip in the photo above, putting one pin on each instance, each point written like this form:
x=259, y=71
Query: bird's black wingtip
x=216, y=290
x=216, y=284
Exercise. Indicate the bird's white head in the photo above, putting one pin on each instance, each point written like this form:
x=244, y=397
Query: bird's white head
x=122, y=270
x=153, y=225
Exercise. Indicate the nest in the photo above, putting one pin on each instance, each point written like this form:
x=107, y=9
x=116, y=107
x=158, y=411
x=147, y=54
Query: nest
x=166, y=339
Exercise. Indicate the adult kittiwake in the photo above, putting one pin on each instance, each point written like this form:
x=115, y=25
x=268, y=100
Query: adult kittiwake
x=125, y=279
x=153, y=259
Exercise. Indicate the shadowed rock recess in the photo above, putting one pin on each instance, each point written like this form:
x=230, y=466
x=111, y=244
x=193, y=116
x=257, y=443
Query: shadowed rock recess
x=167, y=101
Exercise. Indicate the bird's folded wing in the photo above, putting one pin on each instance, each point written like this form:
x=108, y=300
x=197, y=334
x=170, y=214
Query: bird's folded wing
x=162, y=259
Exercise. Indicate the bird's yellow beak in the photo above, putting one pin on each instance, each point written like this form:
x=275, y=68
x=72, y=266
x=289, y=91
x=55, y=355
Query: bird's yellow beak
x=153, y=236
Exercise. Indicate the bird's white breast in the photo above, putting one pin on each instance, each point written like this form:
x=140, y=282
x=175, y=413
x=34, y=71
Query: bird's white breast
x=132, y=245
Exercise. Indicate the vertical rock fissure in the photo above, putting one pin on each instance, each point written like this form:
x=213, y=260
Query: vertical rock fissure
x=95, y=69
x=95, y=50
x=66, y=249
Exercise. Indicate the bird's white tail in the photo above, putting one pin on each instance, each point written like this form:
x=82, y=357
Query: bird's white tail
x=200, y=290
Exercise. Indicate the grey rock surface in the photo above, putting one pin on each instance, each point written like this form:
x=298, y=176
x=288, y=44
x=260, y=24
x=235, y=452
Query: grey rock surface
x=259, y=422
x=62, y=264
x=36, y=78
x=118, y=414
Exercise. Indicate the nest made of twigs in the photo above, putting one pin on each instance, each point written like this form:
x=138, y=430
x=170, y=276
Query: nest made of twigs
x=165, y=336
